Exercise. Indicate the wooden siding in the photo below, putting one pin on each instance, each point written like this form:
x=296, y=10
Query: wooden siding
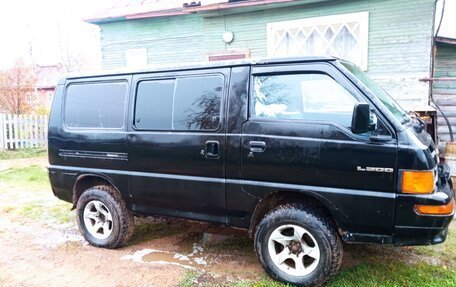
x=444, y=92
x=167, y=40
x=400, y=38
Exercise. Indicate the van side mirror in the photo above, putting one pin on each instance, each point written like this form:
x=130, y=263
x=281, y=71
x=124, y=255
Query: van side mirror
x=360, y=119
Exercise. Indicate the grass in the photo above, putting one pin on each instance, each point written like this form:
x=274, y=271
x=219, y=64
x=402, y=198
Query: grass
x=23, y=153
x=388, y=274
x=38, y=210
x=30, y=175
x=263, y=282
x=395, y=274
x=38, y=202
x=445, y=253
x=189, y=279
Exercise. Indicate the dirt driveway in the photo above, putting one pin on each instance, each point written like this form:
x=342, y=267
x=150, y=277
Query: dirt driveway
x=41, y=246
x=38, y=249
x=43, y=255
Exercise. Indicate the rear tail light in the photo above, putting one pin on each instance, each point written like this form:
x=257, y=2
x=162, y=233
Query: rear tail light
x=418, y=182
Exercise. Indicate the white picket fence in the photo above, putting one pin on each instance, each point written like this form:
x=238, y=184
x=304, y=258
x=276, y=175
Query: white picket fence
x=23, y=131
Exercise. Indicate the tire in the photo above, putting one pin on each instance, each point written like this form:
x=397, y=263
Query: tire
x=293, y=234
x=103, y=217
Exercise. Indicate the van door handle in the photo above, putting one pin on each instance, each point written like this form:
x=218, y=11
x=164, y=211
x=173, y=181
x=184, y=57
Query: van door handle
x=257, y=146
x=212, y=148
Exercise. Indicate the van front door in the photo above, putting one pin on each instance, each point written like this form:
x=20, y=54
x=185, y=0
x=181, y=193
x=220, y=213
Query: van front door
x=176, y=144
x=298, y=138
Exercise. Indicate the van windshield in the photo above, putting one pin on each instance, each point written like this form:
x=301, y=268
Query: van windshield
x=378, y=91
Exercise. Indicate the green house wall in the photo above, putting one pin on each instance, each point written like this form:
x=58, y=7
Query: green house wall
x=444, y=92
x=399, y=50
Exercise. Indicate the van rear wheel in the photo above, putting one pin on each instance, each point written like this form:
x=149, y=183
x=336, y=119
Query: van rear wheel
x=298, y=245
x=103, y=218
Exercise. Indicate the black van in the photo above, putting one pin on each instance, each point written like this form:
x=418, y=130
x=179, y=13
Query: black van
x=304, y=153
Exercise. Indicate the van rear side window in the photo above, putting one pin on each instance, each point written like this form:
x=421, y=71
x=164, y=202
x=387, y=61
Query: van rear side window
x=95, y=106
x=190, y=103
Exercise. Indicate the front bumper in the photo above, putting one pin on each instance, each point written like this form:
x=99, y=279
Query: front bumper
x=416, y=229
x=406, y=235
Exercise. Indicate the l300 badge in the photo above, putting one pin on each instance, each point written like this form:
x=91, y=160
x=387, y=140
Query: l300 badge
x=375, y=169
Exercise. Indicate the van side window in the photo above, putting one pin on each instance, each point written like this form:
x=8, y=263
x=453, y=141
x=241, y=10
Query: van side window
x=97, y=105
x=154, y=104
x=188, y=103
x=197, y=103
x=315, y=97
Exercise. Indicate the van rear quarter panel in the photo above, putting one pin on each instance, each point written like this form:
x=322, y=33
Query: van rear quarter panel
x=74, y=153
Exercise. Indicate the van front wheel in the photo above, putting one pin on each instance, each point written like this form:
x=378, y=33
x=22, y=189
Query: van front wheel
x=298, y=245
x=103, y=218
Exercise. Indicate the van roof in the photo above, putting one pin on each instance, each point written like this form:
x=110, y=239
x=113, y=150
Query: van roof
x=202, y=65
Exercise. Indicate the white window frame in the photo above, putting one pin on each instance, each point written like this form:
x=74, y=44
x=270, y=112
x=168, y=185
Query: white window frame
x=361, y=17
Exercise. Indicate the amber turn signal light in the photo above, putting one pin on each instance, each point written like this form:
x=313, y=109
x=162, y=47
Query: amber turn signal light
x=446, y=209
x=420, y=182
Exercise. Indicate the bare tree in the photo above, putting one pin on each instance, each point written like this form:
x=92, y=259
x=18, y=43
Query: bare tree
x=71, y=60
x=15, y=84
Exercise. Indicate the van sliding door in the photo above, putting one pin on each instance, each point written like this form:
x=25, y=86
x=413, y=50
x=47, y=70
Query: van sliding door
x=176, y=144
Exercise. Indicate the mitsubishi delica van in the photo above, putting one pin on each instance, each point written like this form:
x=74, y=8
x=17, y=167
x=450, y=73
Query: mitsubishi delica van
x=304, y=153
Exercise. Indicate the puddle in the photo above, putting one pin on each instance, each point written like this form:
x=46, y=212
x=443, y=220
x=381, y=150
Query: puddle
x=189, y=261
x=54, y=239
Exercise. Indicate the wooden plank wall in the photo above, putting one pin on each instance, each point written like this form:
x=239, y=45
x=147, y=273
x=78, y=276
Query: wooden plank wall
x=399, y=50
x=444, y=92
